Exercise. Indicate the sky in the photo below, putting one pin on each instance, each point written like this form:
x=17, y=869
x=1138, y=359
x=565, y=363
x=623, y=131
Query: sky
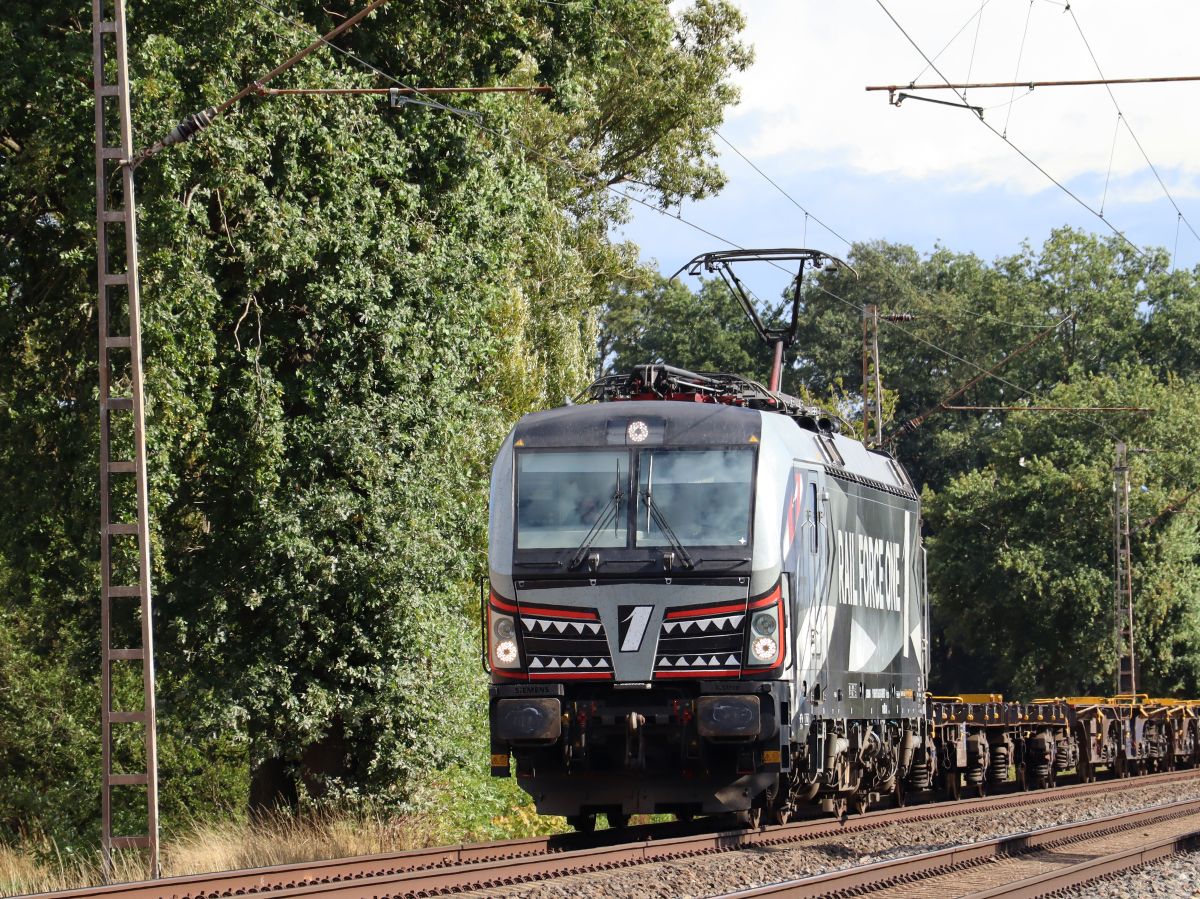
x=928, y=175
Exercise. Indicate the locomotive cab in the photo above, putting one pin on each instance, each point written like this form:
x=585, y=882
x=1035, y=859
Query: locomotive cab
x=626, y=620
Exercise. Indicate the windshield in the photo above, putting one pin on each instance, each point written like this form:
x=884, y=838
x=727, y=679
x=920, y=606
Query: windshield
x=562, y=495
x=703, y=496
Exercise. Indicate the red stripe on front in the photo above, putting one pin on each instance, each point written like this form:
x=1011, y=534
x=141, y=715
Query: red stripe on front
x=771, y=597
x=501, y=604
x=709, y=611
x=578, y=614
x=700, y=673
x=706, y=612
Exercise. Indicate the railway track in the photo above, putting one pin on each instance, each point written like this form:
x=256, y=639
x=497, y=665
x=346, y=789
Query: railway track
x=445, y=869
x=1021, y=866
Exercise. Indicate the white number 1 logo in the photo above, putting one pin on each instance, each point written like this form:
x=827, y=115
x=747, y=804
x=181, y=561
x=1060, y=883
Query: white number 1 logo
x=633, y=627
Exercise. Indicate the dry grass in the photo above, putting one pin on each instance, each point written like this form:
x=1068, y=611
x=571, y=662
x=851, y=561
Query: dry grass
x=277, y=840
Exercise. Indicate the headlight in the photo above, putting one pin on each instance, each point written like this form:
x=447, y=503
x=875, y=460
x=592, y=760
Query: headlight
x=506, y=652
x=764, y=649
x=504, y=642
x=764, y=624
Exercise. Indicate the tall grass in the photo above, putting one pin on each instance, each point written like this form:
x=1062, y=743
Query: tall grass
x=275, y=839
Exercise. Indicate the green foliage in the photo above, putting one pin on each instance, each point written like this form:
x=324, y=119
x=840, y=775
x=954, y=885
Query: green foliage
x=652, y=320
x=1021, y=557
x=344, y=309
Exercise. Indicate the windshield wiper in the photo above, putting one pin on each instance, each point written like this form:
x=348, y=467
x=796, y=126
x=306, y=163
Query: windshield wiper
x=608, y=513
x=665, y=527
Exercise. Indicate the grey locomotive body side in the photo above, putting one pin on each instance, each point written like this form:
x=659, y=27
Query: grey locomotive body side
x=748, y=629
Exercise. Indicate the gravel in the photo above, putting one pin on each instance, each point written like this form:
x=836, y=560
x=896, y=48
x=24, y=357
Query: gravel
x=709, y=875
x=1175, y=878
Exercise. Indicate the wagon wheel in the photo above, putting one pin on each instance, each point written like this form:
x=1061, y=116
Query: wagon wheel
x=750, y=817
x=953, y=785
x=780, y=809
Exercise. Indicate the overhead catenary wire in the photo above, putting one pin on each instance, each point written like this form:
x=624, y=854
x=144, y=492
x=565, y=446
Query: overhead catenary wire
x=1112, y=153
x=1122, y=118
x=807, y=214
x=600, y=182
x=1004, y=137
x=1020, y=55
x=975, y=42
x=788, y=196
x=973, y=18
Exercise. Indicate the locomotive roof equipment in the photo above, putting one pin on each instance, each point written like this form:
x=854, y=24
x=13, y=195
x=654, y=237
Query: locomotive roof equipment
x=778, y=338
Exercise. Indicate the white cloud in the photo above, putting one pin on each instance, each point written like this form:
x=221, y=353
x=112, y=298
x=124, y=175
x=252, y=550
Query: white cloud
x=804, y=105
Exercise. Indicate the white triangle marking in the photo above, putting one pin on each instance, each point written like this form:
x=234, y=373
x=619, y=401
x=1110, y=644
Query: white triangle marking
x=559, y=626
x=536, y=663
x=568, y=664
x=669, y=626
x=594, y=628
x=664, y=663
x=714, y=661
x=553, y=663
x=686, y=626
x=603, y=663
x=862, y=647
x=586, y=663
x=732, y=660
x=578, y=627
x=529, y=623
x=736, y=619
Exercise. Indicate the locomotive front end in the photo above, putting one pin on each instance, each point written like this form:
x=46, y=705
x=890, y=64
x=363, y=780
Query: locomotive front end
x=634, y=641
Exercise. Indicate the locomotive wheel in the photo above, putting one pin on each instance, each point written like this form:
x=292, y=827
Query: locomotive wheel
x=582, y=823
x=617, y=821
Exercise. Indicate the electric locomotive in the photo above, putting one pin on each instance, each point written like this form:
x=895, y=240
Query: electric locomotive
x=704, y=599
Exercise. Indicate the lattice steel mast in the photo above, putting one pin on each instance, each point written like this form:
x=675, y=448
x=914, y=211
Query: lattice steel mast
x=124, y=571
x=1126, y=679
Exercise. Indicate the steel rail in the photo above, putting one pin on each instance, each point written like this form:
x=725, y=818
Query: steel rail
x=1087, y=872
x=885, y=875
x=479, y=865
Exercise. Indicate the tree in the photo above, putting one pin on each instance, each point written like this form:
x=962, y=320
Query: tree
x=344, y=310
x=1020, y=561
x=653, y=320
